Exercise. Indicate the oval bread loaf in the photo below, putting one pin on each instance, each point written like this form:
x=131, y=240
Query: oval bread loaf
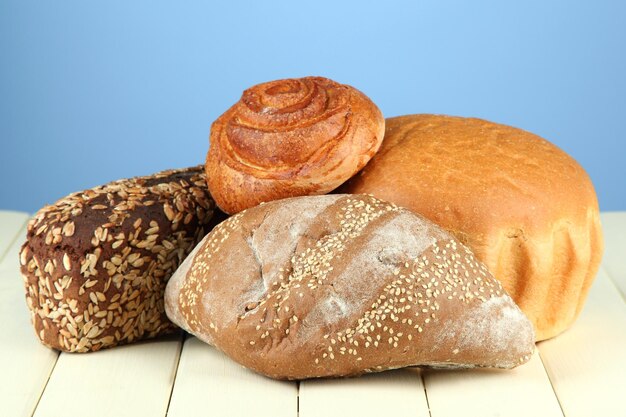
x=340, y=285
x=95, y=263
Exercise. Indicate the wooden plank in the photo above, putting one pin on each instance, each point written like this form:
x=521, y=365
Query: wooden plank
x=587, y=363
x=586, y=366
x=133, y=380
x=10, y=259
x=523, y=391
x=25, y=363
x=392, y=393
x=614, y=228
x=11, y=222
x=209, y=383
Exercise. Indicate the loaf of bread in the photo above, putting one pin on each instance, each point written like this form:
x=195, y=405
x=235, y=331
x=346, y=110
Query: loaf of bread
x=524, y=207
x=290, y=138
x=341, y=285
x=96, y=262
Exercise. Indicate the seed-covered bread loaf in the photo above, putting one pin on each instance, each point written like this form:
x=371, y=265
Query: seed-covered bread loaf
x=340, y=285
x=96, y=262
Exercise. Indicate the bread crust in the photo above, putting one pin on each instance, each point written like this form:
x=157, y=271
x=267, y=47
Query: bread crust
x=95, y=263
x=526, y=208
x=289, y=138
x=341, y=285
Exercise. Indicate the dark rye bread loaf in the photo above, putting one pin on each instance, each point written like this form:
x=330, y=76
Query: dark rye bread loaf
x=96, y=262
x=341, y=285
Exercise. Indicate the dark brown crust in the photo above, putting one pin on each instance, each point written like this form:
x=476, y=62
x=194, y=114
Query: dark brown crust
x=341, y=285
x=96, y=262
x=289, y=138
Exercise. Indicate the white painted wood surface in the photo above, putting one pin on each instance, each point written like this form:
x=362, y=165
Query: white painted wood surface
x=11, y=222
x=587, y=363
x=24, y=363
x=614, y=227
x=208, y=383
x=580, y=373
x=524, y=391
x=394, y=393
x=134, y=380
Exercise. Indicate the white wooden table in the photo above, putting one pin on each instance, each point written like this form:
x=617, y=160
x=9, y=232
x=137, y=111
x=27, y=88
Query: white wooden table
x=580, y=373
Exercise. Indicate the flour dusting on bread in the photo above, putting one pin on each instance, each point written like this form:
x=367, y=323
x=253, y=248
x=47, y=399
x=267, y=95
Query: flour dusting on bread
x=362, y=286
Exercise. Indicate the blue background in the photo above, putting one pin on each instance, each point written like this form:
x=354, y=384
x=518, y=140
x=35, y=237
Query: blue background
x=91, y=92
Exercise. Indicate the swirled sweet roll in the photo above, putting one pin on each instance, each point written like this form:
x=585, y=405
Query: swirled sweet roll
x=290, y=138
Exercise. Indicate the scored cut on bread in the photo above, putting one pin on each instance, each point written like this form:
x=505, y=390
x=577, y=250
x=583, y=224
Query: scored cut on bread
x=340, y=285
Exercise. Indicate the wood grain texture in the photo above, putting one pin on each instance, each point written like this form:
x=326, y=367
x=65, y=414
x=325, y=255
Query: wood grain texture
x=10, y=224
x=25, y=363
x=133, y=380
x=587, y=363
x=210, y=383
x=614, y=227
x=393, y=393
x=523, y=391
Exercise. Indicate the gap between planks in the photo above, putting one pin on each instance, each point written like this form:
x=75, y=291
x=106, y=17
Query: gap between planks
x=43, y=389
x=184, y=336
x=395, y=393
x=41, y=376
x=565, y=393
x=133, y=380
x=523, y=391
x=207, y=378
x=586, y=363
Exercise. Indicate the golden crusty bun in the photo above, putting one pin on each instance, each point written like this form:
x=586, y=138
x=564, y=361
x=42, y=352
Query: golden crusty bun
x=525, y=207
x=290, y=138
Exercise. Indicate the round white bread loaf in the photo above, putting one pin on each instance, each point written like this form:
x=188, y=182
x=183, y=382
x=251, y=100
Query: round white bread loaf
x=525, y=208
x=341, y=285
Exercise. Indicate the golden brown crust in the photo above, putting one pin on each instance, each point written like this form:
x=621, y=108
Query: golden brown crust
x=341, y=285
x=525, y=207
x=95, y=263
x=289, y=138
